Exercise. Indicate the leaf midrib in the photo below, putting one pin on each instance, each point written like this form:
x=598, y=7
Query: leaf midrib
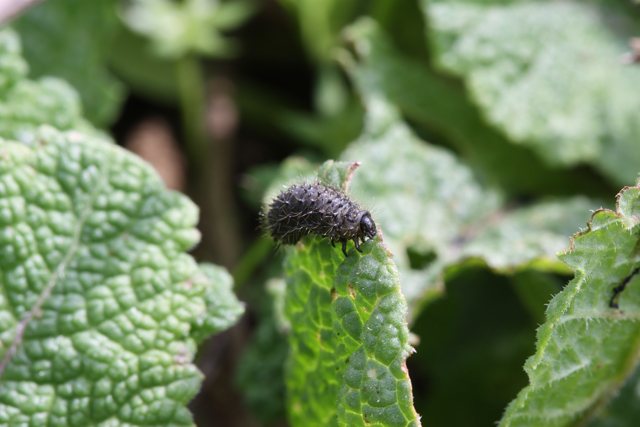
x=60, y=270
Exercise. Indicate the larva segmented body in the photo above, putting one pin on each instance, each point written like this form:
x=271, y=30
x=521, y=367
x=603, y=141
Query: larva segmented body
x=318, y=209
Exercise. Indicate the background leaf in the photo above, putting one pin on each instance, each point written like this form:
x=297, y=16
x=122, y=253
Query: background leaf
x=433, y=204
x=517, y=57
x=71, y=39
x=441, y=108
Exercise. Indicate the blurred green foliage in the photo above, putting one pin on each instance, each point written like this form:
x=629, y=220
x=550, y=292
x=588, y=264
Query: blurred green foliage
x=72, y=39
x=487, y=132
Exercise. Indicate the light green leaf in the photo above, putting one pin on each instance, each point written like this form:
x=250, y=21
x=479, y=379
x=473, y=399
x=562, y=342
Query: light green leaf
x=26, y=104
x=223, y=308
x=71, y=39
x=100, y=309
x=348, y=338
x=520, y=61
x=431, y=203
x=587, y=349
x=526, y=237
x=441, y=107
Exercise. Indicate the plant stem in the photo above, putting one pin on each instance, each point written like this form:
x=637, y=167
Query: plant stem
x=192, y=105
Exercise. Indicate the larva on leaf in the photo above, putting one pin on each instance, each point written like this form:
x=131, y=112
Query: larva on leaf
x=319, y=209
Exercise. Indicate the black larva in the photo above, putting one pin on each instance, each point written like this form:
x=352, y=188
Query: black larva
x=315, y=208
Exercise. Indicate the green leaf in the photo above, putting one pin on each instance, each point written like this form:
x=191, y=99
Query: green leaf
x=528, y=236
x=519, y=61
x=441, y=108
x=348, y=338
x=223, y=308
x=587, y=349
x=100, y=308
x=71, y=39
x=535, y=289
x=431, y=203
x=26, y=104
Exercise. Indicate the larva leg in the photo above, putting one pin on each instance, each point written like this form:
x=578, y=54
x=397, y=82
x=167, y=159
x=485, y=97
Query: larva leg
x=357, y=246
x=344, y=248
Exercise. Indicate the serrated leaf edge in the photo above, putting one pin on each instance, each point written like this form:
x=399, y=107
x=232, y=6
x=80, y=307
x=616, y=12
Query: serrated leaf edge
x=609, y=391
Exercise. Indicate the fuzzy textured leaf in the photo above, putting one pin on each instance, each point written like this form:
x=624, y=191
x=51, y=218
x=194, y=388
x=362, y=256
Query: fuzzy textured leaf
x=348, y=335
x=440, y=106
x=548, y=73
x=434, y=204
x=348, y=338
x=100, y=308
x=223, y=308
x=587, y=349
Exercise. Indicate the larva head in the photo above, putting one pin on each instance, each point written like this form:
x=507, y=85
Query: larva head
x=367, y=226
